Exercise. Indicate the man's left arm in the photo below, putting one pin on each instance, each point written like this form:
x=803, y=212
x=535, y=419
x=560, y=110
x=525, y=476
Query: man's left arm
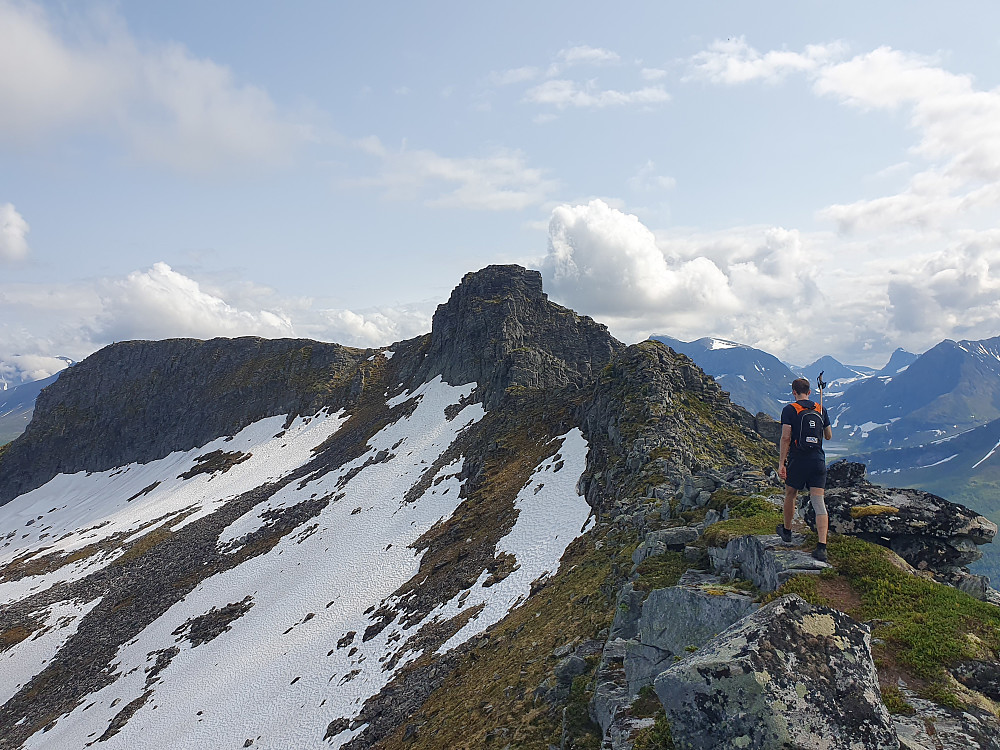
x=827, y=428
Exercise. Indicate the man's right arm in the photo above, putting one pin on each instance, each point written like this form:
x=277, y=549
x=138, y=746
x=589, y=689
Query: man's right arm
x=784, y=446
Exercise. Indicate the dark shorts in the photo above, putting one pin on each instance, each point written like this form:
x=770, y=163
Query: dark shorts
x=806, y=472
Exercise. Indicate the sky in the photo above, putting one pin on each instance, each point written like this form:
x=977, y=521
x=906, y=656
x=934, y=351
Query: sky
x=806, y=177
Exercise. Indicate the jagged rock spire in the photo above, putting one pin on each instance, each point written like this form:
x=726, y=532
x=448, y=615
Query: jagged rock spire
x=499, y=329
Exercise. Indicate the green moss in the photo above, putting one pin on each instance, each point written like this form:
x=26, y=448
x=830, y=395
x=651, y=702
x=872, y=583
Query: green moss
x=719, y=534
x=656, y=737
x=660, y=571
x=895, y=702
x=806, y=586
x=646, y=705
x=863, y=511
x=928, y=626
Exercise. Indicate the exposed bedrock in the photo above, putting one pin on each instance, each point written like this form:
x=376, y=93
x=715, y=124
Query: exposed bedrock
x=788, y=675
x=927, y=531
x=499, y=329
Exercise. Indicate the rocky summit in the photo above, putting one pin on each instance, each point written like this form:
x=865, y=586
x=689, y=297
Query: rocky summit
x=511, y=532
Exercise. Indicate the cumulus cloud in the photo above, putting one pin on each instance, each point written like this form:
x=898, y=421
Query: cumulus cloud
x=563, y=93
x=170, y=106
x=500, y=182
x=514, y=75
x=756, y=285
x=733, y=61
x=162, y=303
x=74, y=320
x=607, y=262
x=13, y=233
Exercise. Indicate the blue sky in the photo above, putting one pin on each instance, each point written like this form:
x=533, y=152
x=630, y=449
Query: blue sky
x=810, y=178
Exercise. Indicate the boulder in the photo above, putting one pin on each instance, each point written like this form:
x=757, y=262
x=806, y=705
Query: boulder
x=766, y=561
x=927, y=531
x=675, y=620
x=790, y=675
x=658, y=542
x=933, y=727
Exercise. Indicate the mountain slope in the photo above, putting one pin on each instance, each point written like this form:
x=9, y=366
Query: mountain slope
x=327, y=522
x=17, y=405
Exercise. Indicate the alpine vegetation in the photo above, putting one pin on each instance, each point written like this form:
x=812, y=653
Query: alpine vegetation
x=513, y=531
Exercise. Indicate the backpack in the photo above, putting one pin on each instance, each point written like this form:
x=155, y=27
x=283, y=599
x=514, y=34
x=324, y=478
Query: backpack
x=810, y=427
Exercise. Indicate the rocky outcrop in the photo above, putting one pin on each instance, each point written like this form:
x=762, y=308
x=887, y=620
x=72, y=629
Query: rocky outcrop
x=654, y=420
x=789, y=675
x=678, y=620
x=500, y=330
x=927, y=531
x=141, y=400
x=766, y=561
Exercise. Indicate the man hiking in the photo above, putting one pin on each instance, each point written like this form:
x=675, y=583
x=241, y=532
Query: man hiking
x=804, y=426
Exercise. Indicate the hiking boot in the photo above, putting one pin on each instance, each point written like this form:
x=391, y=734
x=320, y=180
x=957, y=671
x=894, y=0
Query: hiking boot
x=785, y=534
x=820, y=552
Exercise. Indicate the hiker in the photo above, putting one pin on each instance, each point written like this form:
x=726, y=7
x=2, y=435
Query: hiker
x=804, y=426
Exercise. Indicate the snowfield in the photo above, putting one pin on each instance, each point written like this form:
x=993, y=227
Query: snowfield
x=295, y=660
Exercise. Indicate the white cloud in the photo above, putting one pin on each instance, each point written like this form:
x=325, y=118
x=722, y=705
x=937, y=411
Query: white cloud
x=653, y=74
x=500, y=182
x=169, y=106
x=607, y=262
x=162, y=303
x=26, y=368
x=958, y=128
x=757, y=285
x=13, y=233
x=563, y=93
x=584, y=55
x=733, y=61
x=951, y=293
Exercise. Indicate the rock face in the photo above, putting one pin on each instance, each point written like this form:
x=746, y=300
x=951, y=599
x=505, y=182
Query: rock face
x=927, y=531
x=789, y=675
x=500, y=330
x=676, y=620
x=141, y=400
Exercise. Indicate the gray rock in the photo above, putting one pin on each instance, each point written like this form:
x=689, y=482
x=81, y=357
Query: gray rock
x=628, y=606
x=568, y=668
x=677, y=619
x=611, y=695
x=789, y=675
x=927, y=531
x=658, y=542
x=765, y=561
x=971, y=729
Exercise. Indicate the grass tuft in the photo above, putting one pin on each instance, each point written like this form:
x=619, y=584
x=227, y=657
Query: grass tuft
x=863, y=511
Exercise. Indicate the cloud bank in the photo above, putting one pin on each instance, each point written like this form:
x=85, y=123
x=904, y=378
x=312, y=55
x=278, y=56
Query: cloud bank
x=762, y=286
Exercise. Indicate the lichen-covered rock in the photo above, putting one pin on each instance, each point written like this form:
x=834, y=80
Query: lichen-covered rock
x=628, y=608
x=927, y=531
x=676, y=620
x=790, y=675
x=933, y=727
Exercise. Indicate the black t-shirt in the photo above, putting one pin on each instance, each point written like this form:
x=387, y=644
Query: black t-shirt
x=791, y=417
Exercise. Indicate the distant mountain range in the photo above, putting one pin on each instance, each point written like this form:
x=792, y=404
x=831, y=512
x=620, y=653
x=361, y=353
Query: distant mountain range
x=756, y=380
